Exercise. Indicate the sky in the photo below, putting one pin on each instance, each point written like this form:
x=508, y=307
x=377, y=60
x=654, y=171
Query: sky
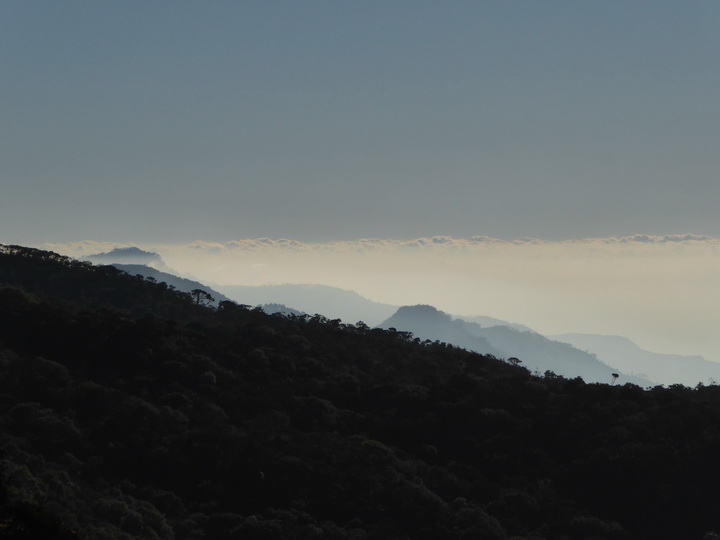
x=327, y=121
x=192, y=124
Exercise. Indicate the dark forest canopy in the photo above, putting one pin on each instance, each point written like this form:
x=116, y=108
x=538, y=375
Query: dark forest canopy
x=132, y=411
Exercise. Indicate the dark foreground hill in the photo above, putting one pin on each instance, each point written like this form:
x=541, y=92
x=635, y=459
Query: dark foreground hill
x=130, y=410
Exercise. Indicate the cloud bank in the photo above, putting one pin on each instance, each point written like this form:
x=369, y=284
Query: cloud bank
x=661, y=291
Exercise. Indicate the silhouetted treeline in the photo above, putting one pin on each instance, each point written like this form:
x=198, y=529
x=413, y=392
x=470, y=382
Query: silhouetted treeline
x=130, y=410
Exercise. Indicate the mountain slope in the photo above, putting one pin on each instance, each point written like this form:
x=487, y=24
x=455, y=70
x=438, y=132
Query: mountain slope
x=486, y=322
x=179, y=283
x=427, y=322
x=331, y=302
x=536, y=352
x=662, y=368
x=540, y=353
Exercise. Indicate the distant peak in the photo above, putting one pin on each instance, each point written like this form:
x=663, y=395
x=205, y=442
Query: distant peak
x=420, y=308
x=130, y=255
x=421, y=312
x=127, y=253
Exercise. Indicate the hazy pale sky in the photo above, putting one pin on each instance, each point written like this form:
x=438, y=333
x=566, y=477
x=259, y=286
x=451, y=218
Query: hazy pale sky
x=323, y=121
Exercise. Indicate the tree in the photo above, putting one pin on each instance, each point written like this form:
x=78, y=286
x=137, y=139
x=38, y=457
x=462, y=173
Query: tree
x=201, y=298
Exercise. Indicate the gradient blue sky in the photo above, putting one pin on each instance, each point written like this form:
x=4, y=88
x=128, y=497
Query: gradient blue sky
x=323, y=120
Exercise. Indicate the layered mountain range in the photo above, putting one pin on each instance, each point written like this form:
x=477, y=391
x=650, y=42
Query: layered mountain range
x=535, y=352
x=661, y=368
x=593, y=357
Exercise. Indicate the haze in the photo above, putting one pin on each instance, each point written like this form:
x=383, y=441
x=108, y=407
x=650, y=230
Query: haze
x=661, y=292
x=159, y=124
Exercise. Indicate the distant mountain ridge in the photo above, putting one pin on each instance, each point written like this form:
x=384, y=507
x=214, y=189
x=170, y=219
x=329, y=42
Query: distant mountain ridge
x=281, y=309
x=486, y=321
x=536, y=352
x=662, y=368
x=180, y=283
x=138, y=262
x=332, y=302
x=427, y=322
x=128, y=255
x=586, y=355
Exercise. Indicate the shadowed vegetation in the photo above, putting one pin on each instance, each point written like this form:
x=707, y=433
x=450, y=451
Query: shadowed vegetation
x=131, y=410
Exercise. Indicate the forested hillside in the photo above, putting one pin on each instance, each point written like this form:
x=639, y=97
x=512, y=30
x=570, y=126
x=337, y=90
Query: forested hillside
x=131, y=410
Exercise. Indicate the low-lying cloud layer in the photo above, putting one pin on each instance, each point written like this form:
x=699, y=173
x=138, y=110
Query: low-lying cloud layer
x=661, y=291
